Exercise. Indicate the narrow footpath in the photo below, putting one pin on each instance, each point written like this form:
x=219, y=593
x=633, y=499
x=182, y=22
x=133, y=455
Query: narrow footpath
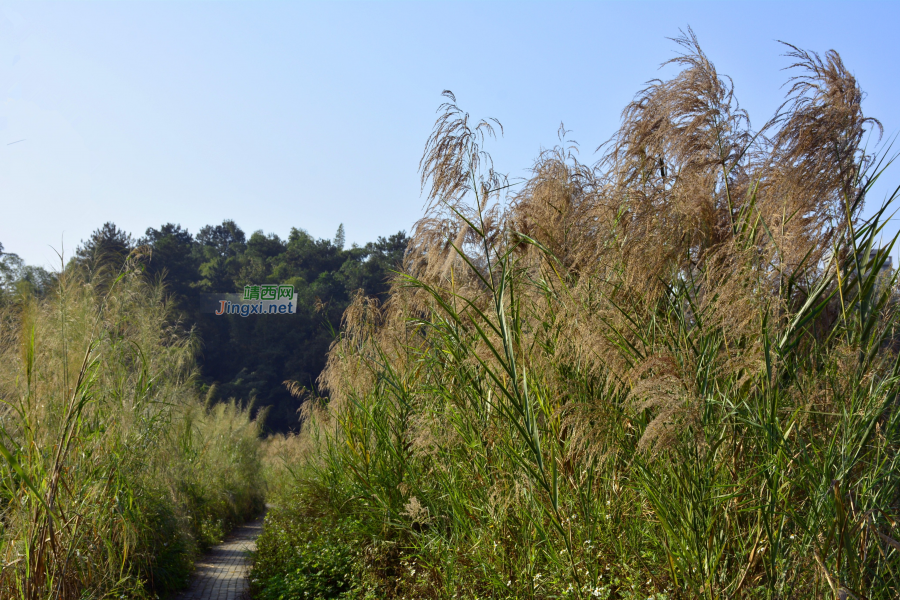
x=222, y=573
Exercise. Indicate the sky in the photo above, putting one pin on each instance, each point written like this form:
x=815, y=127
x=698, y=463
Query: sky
x=309, y=115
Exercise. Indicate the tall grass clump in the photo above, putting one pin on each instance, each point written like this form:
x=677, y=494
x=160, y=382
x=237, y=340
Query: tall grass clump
x=113, y=474
x=671, y=374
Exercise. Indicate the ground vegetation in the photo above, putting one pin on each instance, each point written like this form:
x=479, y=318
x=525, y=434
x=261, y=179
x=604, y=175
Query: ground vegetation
x=114, y=474
x=669, y=374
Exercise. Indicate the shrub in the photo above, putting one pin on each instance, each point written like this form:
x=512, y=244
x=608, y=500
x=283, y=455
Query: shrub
x=302, y=556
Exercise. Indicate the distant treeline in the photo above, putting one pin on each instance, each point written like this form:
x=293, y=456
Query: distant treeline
x=248, y=359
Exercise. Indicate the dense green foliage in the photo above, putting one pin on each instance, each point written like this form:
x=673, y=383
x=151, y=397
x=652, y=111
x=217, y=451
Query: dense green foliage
x=308, y=556
x=114, y=476
x=250, y=358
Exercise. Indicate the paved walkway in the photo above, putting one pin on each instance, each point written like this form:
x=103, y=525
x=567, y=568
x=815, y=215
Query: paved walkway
x=222, y=573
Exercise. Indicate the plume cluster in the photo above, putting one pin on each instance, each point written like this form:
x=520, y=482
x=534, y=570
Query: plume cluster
x=625, y=338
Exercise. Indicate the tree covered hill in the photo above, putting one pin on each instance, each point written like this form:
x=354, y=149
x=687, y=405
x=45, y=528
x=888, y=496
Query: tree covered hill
x=244, y=358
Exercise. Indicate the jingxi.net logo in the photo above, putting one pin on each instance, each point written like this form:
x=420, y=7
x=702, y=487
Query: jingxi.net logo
x=259, y=300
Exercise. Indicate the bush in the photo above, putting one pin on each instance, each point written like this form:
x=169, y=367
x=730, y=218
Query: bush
x=301, y=556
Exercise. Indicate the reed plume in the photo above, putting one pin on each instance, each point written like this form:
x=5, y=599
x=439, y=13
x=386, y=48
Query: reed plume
x=673, y=367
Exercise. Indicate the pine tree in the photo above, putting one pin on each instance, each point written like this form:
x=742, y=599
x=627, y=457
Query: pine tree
x=106, y=249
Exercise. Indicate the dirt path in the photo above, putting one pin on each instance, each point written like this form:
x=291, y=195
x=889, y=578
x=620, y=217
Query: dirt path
x=222, y=573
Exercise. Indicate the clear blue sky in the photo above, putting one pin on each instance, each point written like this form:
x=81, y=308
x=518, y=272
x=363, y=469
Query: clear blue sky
x=281, y=115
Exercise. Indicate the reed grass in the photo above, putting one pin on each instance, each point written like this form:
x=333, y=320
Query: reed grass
x=672, y=374
x=113, y=474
